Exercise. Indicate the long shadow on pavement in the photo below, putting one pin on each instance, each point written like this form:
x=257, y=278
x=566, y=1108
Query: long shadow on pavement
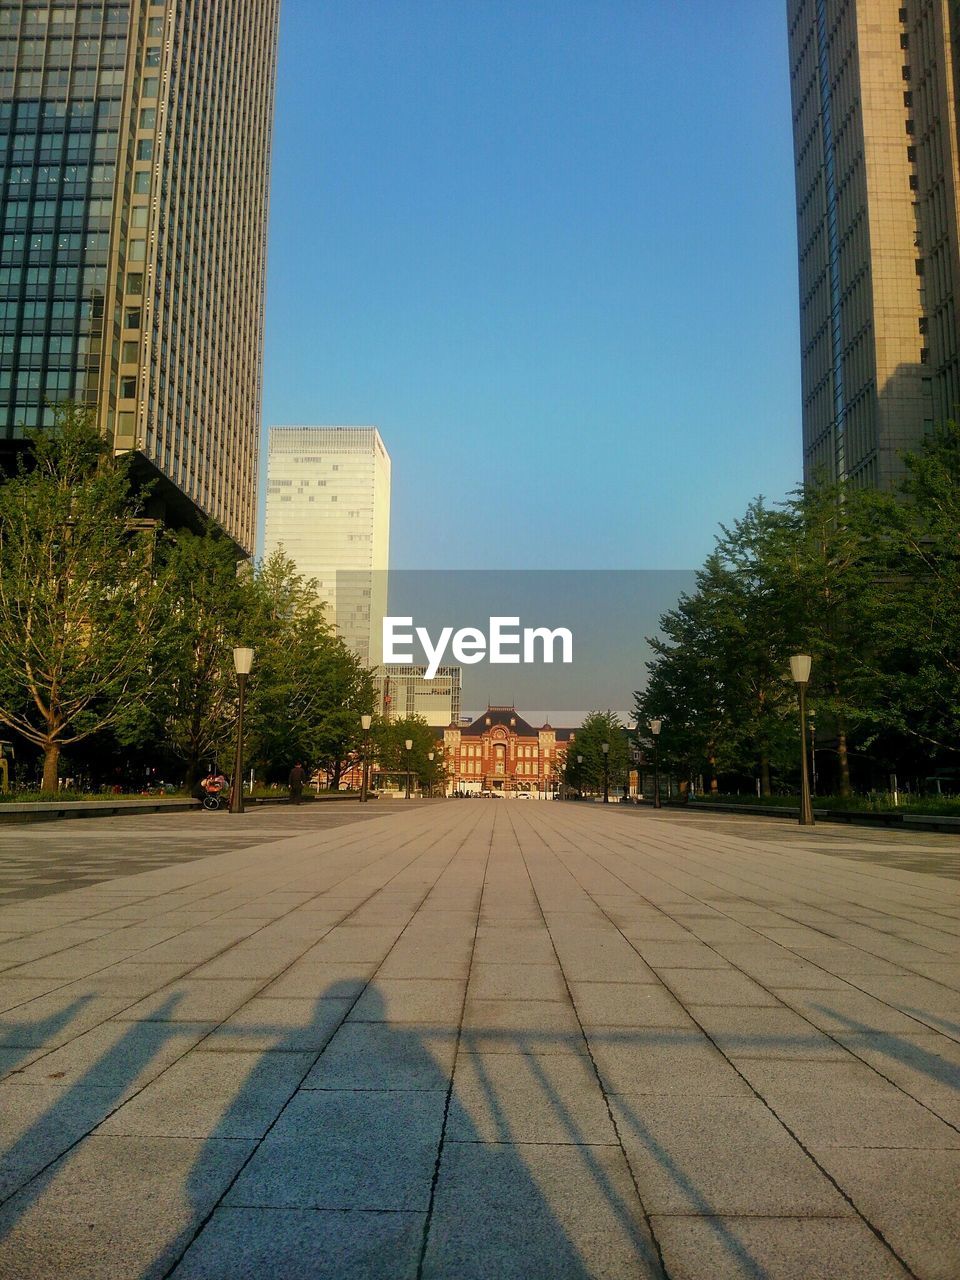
x=340, y=1175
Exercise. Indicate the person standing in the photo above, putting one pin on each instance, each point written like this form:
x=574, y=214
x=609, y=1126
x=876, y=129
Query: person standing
x=298, y=776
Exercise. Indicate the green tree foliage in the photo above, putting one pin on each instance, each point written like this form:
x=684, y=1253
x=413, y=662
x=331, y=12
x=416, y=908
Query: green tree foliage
x=307, y=690
x=82, y=611
x=916, y=631
x=208, y=605
x=599, y=727
x=868, y=585
x=392, y=758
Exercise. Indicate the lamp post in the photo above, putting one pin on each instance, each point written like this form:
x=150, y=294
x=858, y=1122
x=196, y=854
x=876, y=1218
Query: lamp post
x=408, y=745
x=579, y=777
x=800, y=665
x=812, y=716
x=655, y=727
x=365, y=723
x=605, y=748
x=430, y=780
x=242, y=662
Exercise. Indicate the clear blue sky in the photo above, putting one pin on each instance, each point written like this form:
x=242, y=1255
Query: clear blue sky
x=548, y=247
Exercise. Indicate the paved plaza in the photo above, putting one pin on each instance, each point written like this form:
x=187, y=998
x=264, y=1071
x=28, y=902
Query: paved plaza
x=478, y=1039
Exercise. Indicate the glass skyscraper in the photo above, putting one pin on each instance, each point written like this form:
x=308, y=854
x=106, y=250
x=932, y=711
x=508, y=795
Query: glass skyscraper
x=134, y=162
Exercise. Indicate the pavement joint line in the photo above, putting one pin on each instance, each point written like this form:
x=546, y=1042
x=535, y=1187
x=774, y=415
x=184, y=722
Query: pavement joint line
x=874, y=1229
x=40, y=1172
x=435, y=1176
x=658, y=1250
x=799, y=955
x=319, y=1054
x=771, y=992
x=569, y=878
x=12, y=972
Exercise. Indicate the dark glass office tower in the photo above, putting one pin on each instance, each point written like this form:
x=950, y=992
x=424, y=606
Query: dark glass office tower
x=134, y=161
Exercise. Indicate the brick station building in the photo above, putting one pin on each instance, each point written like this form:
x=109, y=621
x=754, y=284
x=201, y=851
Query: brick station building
x=501, y=752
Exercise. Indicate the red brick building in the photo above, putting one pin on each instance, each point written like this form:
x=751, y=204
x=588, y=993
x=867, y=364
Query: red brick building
x=501, y=752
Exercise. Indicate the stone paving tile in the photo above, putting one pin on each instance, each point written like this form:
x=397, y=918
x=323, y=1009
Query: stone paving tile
x=115, y=1207
x=307, y=979
x=926, y=1066
x=918, y=996
x=39, y=1123
x=525, y=1097
x=18, y=991
x=507, y=982
x=236, y=1095
x=911, y=1197
x=680, y=955
x=715, y=986
x=526, y=1026
x=193, y=1000
x=719, y=1156
x=519, y=1212
x=848, y=1010
x=312, y=917
x=660, y=1060
x=731, y=1248
x=281, y=1025
x=751, y=1032
x=371, y=942
x=321, y=1244
x=346, y=1150
x=513, y=945
x=874, y=1119
x=627, y=1004
x=378, y=1055
x=118, y=1055
x=410, y=1000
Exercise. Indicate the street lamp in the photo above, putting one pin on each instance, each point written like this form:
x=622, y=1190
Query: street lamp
x=430, y=758
x=365, y=723
x=605, y=748
x=408, y=744
x=655, y=727
x=242, y=662
x=812, y=716
x=800, y=665
x=579, y=777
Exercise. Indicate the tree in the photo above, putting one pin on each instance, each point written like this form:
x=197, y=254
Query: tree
x=822, y=570
x=208, y=604
x=389, y=739
x=918, y=624
x=308, y=690
x=598, y=727
x=82, y=615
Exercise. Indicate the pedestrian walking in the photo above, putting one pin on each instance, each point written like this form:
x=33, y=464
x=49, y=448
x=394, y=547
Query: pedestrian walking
x=297, y=778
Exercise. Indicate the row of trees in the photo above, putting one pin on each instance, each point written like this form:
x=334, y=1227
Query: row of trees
x=869, y=585
x=116, y=634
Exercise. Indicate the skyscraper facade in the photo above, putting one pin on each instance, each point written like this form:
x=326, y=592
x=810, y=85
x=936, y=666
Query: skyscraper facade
x=875, y=139
x=328, y=509
x=134, y=146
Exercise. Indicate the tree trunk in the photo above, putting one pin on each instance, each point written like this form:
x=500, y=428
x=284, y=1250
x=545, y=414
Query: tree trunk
x=51, y=768
x=843, y=758
x=765, y=788
x=714, y=784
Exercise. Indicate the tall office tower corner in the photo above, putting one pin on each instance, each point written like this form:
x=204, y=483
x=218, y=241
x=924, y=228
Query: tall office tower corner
x=875, y=140
x=328, y=508
x=135, y=139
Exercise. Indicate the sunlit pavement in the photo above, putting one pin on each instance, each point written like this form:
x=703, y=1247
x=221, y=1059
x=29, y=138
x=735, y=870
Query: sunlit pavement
x=480, y=1039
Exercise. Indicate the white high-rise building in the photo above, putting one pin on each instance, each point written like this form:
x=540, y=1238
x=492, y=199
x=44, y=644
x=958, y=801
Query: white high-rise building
x=328, y=507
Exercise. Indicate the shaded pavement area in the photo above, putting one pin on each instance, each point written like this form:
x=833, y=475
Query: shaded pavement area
x=485, y=1040
x=48, y=857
